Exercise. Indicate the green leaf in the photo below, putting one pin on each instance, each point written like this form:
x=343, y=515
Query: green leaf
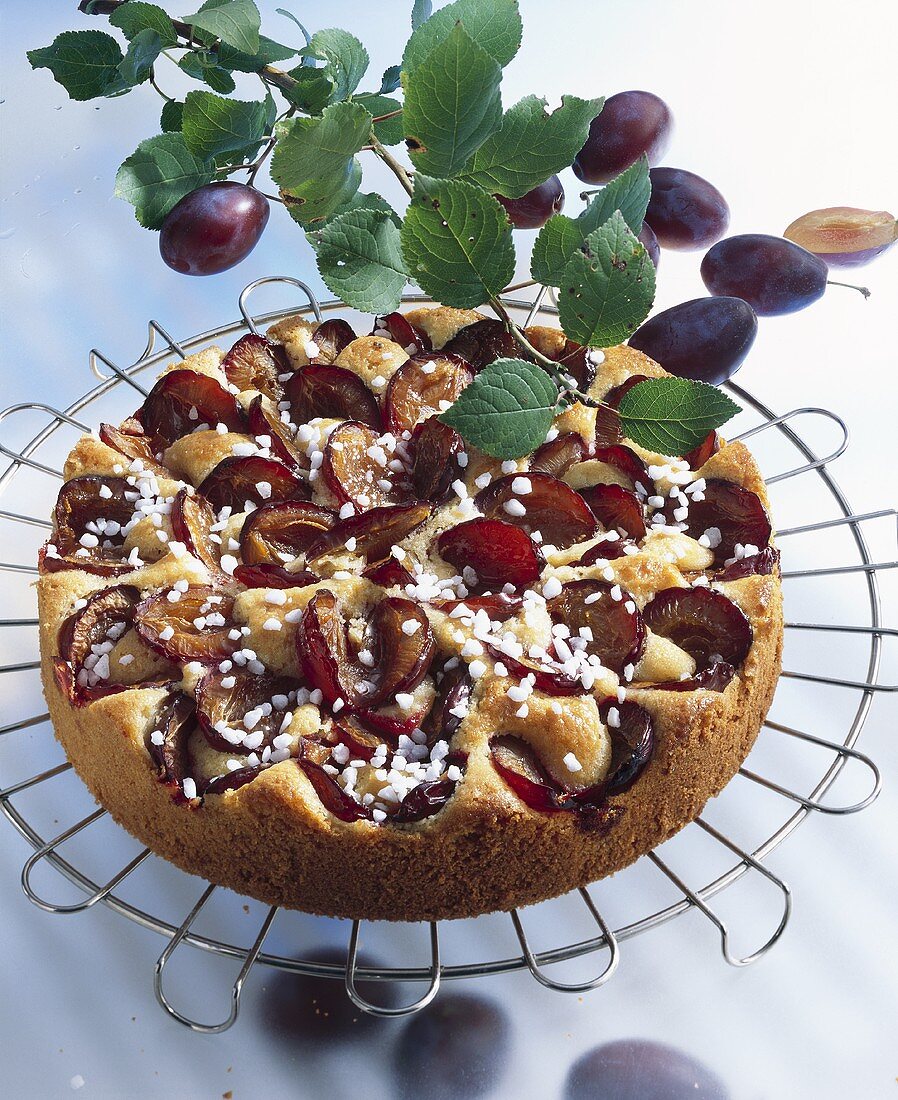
x=360, y=259
x=172, y=116
x=362, y=201
x=346, y=59
x=235, y=22
x=160, y=172
x=456, y=240
x=214, y=125
x=421, y=12
x=391, y=80
x=452, y=104
x=495, y=25
x=143, y=49
x=390, y=131
x=85, y=63
x=607, y=288
x=313, y=162
x=269, y=53
x=136, y=16
x=560, y=237
x=204, y=66
x=314, y=91
x=673, y=415
x=507, y=410
x=531, y=145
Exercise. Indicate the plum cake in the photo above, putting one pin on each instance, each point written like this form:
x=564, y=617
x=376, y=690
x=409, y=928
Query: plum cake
x=301, y=640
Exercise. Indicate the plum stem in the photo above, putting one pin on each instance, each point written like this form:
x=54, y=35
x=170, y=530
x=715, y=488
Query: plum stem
x=399, y=171
x=851, y=286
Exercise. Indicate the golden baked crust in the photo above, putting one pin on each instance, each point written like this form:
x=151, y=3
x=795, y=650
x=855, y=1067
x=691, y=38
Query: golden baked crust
x=485, y=849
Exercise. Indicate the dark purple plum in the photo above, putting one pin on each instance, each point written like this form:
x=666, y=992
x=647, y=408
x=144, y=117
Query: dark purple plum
x=705, y=339
x=213, y=228
x=631, y=124
x=533, y=210
x=649, y=241
x=456, y=1048
x=770, y=273
x=295, y=1007
x=641, y=1069
x=685, y=211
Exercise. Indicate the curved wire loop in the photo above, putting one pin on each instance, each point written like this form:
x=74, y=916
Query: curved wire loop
x=248, y=290
x=817, y=463
x=119, y=372
x=532, y=960
x=236, y=989
x=152, y=328
x=382, y=1010
x=719, y=924
x=17, y=457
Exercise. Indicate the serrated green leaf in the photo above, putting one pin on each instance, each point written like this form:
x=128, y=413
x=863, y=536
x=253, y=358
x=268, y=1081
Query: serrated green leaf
x=160, y=172
x=85, y=63
x=452, y=104
x=313, y=162
x=204, y=66
x=421, y=12
x=456, y=241
x=608, y=286
x=360, y=259
x=143, y=49
x=495, y=25
x=560, y=237
x=172, y=115
x=214, y=125
x=390, y=130
x=136, y=16
x=269, y=53
x=507, y=410
x=553, y=248
x=359, y=201
x=390, y=81
x=346, y=59
x=673, y=415
x=314, y=89
x=235, y=22
x=531, y=145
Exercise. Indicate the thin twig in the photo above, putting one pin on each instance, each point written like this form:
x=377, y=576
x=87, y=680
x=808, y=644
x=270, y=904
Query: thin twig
x=520, y=286
x=167, y=98
x=399, y=171
x=391, y=114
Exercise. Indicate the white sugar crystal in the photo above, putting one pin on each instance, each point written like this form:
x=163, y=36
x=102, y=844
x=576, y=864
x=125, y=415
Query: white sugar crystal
x=572, y=763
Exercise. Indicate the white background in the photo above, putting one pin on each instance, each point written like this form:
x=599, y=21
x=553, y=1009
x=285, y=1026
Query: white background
x=786, y=107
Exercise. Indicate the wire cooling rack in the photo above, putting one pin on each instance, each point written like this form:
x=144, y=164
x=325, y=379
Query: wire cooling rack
x=792, y=759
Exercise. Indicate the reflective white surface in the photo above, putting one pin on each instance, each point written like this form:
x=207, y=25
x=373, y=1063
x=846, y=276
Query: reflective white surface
x=785, y=108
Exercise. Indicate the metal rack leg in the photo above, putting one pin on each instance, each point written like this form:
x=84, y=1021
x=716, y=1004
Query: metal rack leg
x=380, y=1010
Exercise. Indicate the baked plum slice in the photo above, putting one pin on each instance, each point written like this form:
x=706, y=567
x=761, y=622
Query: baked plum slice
x=401, y=657
x=273, y=576
x=239, y=479
x=499, y=553
x=181, y=401
x=526, y=775
x=710, y=627
x=330, y=338
x=262, y=422
x=497, y=605
x=625, y=461
x=699, y=455
x=714, y=678
x=608, y=422
x=331, y=794
x=226, y=699
x=762, y=564
x=166, y=742
x=632, y=742
x=332, y=393
x=736, y=512
x=617, y=630
x=106, y=616
x=374, y=532
x=192, y=520
x=254, y=363
x=616, y=509
x=135, y=445
x=353, y=475
x=396, y=327
x=435, y=449
x=558, y=455
x=195, y=627
x=424, y=386
x=283, y=531
x=551, y=681
x=388, y=574
x=482, y=343
x=81, y=504
x=547, y=505
x=430, y=796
